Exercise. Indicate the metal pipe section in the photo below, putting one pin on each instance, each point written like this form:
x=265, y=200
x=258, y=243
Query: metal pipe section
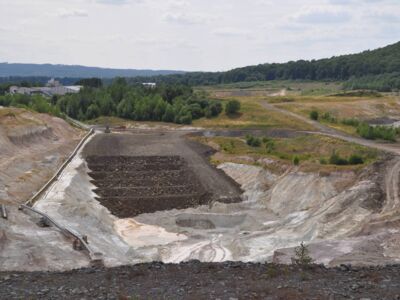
x=95, y=257
x=4, y=214
x=32, y=200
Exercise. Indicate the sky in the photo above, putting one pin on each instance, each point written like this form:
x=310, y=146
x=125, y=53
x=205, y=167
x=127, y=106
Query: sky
x=191, y=35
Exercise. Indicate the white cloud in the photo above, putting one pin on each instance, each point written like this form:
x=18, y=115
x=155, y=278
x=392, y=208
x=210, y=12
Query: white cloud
x=113, y=2
x=321, y=15
x=183, y=18
x=232, y=32
x=191, y=34
x=68, y=13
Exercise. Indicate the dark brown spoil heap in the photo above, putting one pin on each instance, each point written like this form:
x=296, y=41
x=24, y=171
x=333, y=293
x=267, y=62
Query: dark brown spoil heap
x=132, y=185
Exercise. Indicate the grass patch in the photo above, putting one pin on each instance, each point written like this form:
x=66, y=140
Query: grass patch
x=360, y=93
x=308, y=149
x=252, y=115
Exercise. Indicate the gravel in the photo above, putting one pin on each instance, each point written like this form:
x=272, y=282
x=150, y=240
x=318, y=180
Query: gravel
x=195, y=280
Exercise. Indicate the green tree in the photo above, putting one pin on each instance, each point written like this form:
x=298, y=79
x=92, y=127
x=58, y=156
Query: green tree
x=160, y=109
x=92, y=112
x=314, y=115
x=232, y=107
x=302, y=256
x=169, y=114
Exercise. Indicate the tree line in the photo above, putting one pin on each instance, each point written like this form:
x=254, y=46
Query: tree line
x=384, y=62
x=168, y=103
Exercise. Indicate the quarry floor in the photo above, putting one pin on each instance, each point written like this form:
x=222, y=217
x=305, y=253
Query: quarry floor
x=195, y=280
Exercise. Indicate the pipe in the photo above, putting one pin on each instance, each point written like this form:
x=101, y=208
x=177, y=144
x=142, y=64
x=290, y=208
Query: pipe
x=4, y=214
x=95, y=257
x=32, y=200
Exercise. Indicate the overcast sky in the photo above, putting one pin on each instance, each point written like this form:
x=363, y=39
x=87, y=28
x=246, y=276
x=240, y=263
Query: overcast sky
x=191, y=34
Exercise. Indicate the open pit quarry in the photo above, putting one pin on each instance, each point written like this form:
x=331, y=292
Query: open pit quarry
x=151, y=195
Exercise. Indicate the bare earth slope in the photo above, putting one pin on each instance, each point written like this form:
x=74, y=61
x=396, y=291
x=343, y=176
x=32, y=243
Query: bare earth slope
x=32, y=147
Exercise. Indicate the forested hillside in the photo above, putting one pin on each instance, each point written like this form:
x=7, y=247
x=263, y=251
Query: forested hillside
x=48, y=70
x=368, y=65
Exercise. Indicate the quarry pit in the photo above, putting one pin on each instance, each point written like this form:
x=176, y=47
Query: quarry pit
x=152, y=195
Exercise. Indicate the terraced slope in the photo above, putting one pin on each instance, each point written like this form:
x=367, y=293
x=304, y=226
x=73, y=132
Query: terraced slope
x=131, y=185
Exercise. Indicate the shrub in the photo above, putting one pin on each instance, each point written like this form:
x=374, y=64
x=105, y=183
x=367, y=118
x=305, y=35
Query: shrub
x=296, y=160
x=270, y=146
x=302, y=256
x=376, y=132
x=329, y=118
x=232, y=107
x=335, y=159
x=351, y=122
x=186, y=119
x=323, y=161
x=215, y=108
x=356, y=159
x=314, y=115
x=253, y=141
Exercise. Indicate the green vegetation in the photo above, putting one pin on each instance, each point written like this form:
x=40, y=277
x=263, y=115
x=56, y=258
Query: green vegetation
x=296, y=160
x=90, y=82
x=362, y=129
x=328, y=118
x=361, y=93
x=314, y=115
x=302, y=256
x=351, y=122
x=252, y=115
x=377, y=132
x=35, y=102
x=253, y=141
x=382, y=82
x=354, y=159
x=232, y=107
x=384, y=62
x=177, y=103
x=311, y=151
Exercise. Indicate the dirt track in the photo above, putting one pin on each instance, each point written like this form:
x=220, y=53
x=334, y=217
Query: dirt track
x=176, y=170
x=325, y=130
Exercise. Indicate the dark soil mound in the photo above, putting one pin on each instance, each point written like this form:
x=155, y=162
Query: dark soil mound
x=132, y=185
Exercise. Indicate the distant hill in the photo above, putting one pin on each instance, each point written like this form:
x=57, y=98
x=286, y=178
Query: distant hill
x=382, y=61
x=60, y=71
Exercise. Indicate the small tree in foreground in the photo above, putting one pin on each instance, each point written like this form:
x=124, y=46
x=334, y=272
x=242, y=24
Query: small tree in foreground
x=232, y=107
x=302, y=256
x=314, y=115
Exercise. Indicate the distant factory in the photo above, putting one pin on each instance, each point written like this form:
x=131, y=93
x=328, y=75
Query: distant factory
x=53, y=87
x=151, y=85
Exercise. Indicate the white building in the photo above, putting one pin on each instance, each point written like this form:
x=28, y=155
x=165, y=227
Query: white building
x=53, y=87
x=151, y=85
